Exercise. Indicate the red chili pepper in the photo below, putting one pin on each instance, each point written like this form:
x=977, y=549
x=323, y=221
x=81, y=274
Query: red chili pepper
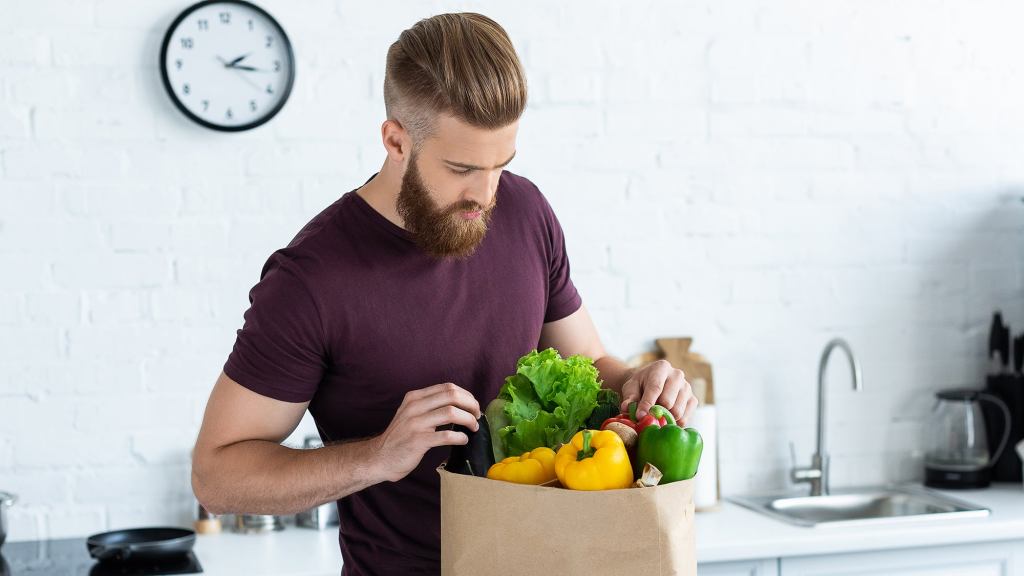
x=646, y=421
x=649, y=420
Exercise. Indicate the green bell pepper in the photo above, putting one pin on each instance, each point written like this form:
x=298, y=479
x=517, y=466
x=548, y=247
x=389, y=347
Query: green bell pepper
x=673, y=450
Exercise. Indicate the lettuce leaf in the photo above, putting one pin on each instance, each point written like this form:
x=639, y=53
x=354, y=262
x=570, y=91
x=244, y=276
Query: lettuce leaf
x=548, y=400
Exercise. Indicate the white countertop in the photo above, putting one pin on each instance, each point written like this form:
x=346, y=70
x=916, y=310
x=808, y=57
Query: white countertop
x=290, y=552
x=729, y=533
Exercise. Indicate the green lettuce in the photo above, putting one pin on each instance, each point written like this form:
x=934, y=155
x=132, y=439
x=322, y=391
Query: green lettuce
x=548, y=400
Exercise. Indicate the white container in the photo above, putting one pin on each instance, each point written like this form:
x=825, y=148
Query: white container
x=1020, y=452
x=705, y=493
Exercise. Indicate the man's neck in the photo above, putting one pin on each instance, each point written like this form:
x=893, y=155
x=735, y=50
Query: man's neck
x=381, y=193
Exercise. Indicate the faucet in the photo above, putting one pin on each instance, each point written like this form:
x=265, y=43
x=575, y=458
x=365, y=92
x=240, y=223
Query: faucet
x=817, y=473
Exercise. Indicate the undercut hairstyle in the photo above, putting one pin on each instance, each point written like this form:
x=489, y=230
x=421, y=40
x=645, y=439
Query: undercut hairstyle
x=459, y=64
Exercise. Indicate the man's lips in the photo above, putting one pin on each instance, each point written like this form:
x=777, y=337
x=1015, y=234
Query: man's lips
x=472, y=214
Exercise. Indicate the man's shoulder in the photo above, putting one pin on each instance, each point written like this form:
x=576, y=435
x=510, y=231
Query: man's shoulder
x=514, y=182
x=522, y=194
x=315, y=246
x=321, y=226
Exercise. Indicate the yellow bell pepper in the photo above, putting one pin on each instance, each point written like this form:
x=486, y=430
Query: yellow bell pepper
x=534, y=467
x=594, y=460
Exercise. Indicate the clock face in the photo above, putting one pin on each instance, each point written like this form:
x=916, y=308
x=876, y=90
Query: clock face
x=228, y=65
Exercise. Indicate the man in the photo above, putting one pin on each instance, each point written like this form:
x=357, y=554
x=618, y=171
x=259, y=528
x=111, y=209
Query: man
x=401, y=308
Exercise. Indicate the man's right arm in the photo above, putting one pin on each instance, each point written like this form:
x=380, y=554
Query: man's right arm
x=239, y=465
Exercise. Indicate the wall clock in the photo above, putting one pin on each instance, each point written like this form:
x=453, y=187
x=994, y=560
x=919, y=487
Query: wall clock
x=227, y=64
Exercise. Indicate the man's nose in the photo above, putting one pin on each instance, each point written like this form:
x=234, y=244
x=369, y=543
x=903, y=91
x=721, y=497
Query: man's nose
x=484, y=189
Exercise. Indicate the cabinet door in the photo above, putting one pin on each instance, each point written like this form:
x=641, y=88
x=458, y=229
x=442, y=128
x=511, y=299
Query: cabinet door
x=766, y=567
x=981, y=559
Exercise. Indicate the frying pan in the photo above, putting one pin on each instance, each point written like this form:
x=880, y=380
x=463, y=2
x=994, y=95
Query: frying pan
x=148, y=543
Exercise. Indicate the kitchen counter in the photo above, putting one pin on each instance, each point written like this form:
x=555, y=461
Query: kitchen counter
x=729, y=533
x=290, y=552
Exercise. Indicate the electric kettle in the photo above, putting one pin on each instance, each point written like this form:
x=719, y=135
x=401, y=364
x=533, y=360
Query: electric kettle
x=958, y=455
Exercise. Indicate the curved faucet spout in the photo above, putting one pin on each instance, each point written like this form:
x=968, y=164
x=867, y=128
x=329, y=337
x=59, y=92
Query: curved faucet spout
x=817, y=473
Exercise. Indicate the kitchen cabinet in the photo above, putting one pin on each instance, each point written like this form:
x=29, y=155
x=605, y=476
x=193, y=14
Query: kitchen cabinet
x=980, y=559
x=765, y=567
x=1004, y=558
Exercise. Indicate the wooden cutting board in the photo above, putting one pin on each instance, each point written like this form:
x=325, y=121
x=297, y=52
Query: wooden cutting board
x=696, y=368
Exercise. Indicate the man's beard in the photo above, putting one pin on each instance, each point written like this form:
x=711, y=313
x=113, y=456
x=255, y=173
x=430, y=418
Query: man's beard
x=440, y=232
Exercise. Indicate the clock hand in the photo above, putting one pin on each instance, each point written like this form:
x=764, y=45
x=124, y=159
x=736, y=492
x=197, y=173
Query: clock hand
x=237, y=60
x=250, y=69
x=240, y=75
x=248, y=80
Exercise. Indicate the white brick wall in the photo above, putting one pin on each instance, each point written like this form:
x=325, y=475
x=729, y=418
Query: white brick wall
x=761, y=175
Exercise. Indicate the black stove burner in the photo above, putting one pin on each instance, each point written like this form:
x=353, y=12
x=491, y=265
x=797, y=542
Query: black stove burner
x=70, y=557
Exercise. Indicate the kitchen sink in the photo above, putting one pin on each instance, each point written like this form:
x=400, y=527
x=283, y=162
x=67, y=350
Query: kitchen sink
x=847, y=506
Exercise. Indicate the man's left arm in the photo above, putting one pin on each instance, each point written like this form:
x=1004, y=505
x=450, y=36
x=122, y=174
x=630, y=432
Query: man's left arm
x=657, y=382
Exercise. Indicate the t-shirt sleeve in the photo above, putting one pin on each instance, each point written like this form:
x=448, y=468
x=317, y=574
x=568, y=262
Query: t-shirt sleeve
x=279, y=352
x=563, y=299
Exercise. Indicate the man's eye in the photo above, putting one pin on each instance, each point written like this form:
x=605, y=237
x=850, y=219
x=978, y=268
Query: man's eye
x=466, y=171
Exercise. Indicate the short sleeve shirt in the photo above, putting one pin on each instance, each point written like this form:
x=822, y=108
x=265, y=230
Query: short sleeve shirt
x=352, y=315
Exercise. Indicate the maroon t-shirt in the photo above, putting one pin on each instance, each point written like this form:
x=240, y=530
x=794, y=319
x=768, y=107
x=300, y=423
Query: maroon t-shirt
x=352, y=315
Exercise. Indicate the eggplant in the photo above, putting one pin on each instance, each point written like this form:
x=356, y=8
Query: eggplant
x=476, y=457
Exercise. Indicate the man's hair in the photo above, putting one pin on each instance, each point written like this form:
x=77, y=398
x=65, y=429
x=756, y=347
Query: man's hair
x=461, y=64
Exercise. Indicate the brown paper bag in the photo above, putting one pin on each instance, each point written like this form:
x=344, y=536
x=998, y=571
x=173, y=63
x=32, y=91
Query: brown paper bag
x=495, y=528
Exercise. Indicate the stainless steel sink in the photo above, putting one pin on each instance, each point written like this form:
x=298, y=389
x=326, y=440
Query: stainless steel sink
x=845, y=506
x=878, y=505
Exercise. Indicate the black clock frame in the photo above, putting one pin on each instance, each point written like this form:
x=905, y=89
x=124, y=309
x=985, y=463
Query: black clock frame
x=184, y=110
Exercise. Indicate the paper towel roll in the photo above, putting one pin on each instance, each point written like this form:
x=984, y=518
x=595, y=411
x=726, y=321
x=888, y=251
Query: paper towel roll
x=705, y=490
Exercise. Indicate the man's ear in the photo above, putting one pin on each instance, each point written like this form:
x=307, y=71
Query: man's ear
x=397, y=142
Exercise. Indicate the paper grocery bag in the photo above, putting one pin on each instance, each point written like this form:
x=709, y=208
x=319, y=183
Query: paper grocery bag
x=495, y=528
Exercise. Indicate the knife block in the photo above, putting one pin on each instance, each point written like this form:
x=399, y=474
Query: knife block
x=1010, y=389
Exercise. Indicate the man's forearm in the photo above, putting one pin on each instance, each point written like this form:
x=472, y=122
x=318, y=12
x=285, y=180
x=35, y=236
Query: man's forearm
x=262, y=477
x=613, y=371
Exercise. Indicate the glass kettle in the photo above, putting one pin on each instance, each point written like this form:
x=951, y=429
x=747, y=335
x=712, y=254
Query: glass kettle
x=958, y=452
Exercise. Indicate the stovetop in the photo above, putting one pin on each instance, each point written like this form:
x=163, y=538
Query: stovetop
x=70, y=557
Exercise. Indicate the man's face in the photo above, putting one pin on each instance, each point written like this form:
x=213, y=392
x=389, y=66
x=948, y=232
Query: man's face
x=450, y=185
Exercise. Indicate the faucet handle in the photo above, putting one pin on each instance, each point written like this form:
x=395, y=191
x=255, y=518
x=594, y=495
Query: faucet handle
x=798, y=474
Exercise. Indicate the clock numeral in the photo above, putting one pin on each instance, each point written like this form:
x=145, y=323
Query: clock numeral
x=270, y=89
x=204, y=24
x=250, y=25
x=178, y=63
x=225, y=17
x=186, y=43
x=252, y=105
x=270, y=40
x=277, y=66
x=206, y=105
x=228, y=114
x=186, y=89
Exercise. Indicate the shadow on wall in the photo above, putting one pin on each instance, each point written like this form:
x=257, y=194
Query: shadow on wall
x=965, y=255
x=915, y=307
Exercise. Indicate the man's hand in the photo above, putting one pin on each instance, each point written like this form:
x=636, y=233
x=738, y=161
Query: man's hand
x=413, y=430
x=659, y=383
